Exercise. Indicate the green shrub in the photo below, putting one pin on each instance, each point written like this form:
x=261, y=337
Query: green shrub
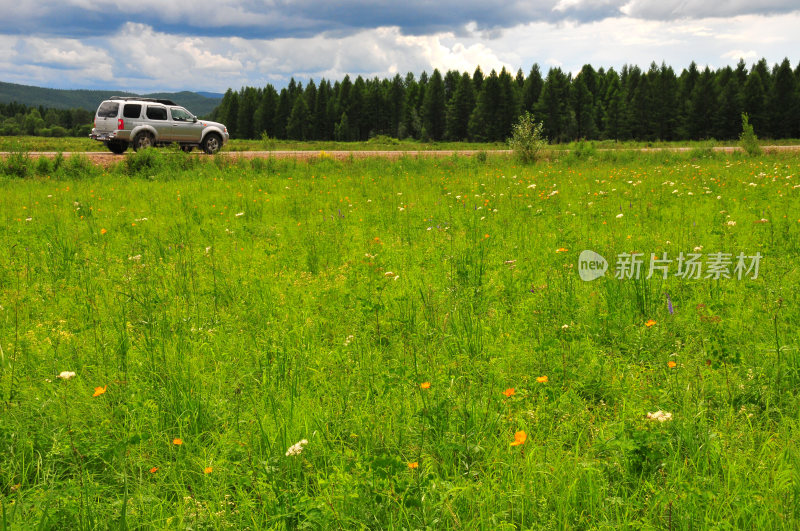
x=527, y=140
x=748, y=140
x=17, y=164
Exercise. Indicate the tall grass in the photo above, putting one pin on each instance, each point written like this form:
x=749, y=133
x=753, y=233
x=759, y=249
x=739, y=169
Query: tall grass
x=238, y=307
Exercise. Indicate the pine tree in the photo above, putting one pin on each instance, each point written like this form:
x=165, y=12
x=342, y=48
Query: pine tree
x=298, y=126
x=583, y=109
x=552, y=108
x=459, y=110
x=783, y=102
x=483, y=121
x=532, y=88
x=433, y=108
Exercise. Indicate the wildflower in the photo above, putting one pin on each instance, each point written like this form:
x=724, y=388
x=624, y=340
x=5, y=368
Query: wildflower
x=413, y=465
x=562, y=250
x=542, y=379
x=296, y=449
x=731, y=223
x=619, y=215
x=509, y=392
x=650, y=323
x=177, y=442
x=208, y=470
x=66, y=375
x=660, y=416
x=388, y=274
x=239, y=214
x=154, y=470
x=99, y=390
x=519, y=438
x=669, y=305
x=135, y=258
x=425, y=385
x=671, y=364
x=103, y=231
x=564, y=326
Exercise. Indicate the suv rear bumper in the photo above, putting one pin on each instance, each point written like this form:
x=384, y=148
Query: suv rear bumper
x=105, y=136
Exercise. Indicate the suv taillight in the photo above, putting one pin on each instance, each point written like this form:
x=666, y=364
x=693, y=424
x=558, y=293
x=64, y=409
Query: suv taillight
x=120, y=123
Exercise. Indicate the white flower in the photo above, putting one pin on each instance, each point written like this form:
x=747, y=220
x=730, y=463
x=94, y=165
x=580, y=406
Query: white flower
x=619, y=216
x=240, y=214
x=564, y=327
x=66, y=375
x=532, y=185
x=731, y=223
x=135, y=258
x=296, y=449
x=698, y=248
x=348, y=339
x=388, y=274
x=660, y=416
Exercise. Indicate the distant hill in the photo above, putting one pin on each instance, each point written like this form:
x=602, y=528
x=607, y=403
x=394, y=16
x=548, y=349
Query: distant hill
x=200, y=104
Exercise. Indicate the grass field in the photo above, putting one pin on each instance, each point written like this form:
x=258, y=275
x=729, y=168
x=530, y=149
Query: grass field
x=420, y=323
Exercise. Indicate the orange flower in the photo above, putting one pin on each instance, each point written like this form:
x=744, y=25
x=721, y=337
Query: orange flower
x=542, y=379
x=103, y=231
x=413, y=465
x=177, y=442
x=562, y=250
x=425, y=385
x=99, y=390
x=519, y=438
x=509, y=392
x=154, y=470
x=649, y=323
x=208, y=470
x=671, y=364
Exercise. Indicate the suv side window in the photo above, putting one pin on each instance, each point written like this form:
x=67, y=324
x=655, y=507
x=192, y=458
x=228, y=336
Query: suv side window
x=180, y=115
x=108, y=109
x=156, y=113
x=132, y=110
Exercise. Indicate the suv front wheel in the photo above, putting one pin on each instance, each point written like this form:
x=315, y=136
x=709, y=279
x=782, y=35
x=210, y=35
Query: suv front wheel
x=212, y=143
x=142, y=141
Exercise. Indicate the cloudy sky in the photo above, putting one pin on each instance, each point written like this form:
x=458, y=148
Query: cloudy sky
x=158, y=45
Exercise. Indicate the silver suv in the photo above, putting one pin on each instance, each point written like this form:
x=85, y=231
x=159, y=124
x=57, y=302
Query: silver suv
x=146, y=122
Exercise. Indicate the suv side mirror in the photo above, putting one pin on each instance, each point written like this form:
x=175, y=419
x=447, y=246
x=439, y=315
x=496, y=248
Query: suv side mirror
x=194, y=119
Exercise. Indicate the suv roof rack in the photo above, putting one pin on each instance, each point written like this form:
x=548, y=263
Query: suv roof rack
x=138, y=98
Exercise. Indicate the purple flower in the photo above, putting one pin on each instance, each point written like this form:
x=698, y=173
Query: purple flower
x=669, y=305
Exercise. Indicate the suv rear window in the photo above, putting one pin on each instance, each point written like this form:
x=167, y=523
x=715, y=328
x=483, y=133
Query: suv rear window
x=132, y=110
x=157, y=113
x=108, y=109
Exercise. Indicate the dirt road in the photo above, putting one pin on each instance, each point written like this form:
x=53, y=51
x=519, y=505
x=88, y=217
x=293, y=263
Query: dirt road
x=106, y=159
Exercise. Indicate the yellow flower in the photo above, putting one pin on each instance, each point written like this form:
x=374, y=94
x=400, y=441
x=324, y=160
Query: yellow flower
x=103, y=231
x=542, y=379
x=519, y=438
x=562, y=250
x=99, y=390
x=509, y=392
x=649, y=323
x=425, y=385
x=208, y=470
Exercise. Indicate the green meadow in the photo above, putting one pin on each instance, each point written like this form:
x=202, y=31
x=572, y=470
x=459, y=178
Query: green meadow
x=421, y=324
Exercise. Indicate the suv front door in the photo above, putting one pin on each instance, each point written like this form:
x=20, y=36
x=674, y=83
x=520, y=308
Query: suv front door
x=185, y=127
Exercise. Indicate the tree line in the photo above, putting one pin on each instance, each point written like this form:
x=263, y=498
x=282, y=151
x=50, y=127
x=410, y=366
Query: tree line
x=656, y=104
x=18, y=119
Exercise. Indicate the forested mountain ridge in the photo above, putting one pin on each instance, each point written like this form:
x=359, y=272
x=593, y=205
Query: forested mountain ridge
x=48, y=98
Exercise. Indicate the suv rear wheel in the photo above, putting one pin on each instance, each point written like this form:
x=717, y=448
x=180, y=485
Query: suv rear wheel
x=117, y=147
x=212, y=143
x=142, y=141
